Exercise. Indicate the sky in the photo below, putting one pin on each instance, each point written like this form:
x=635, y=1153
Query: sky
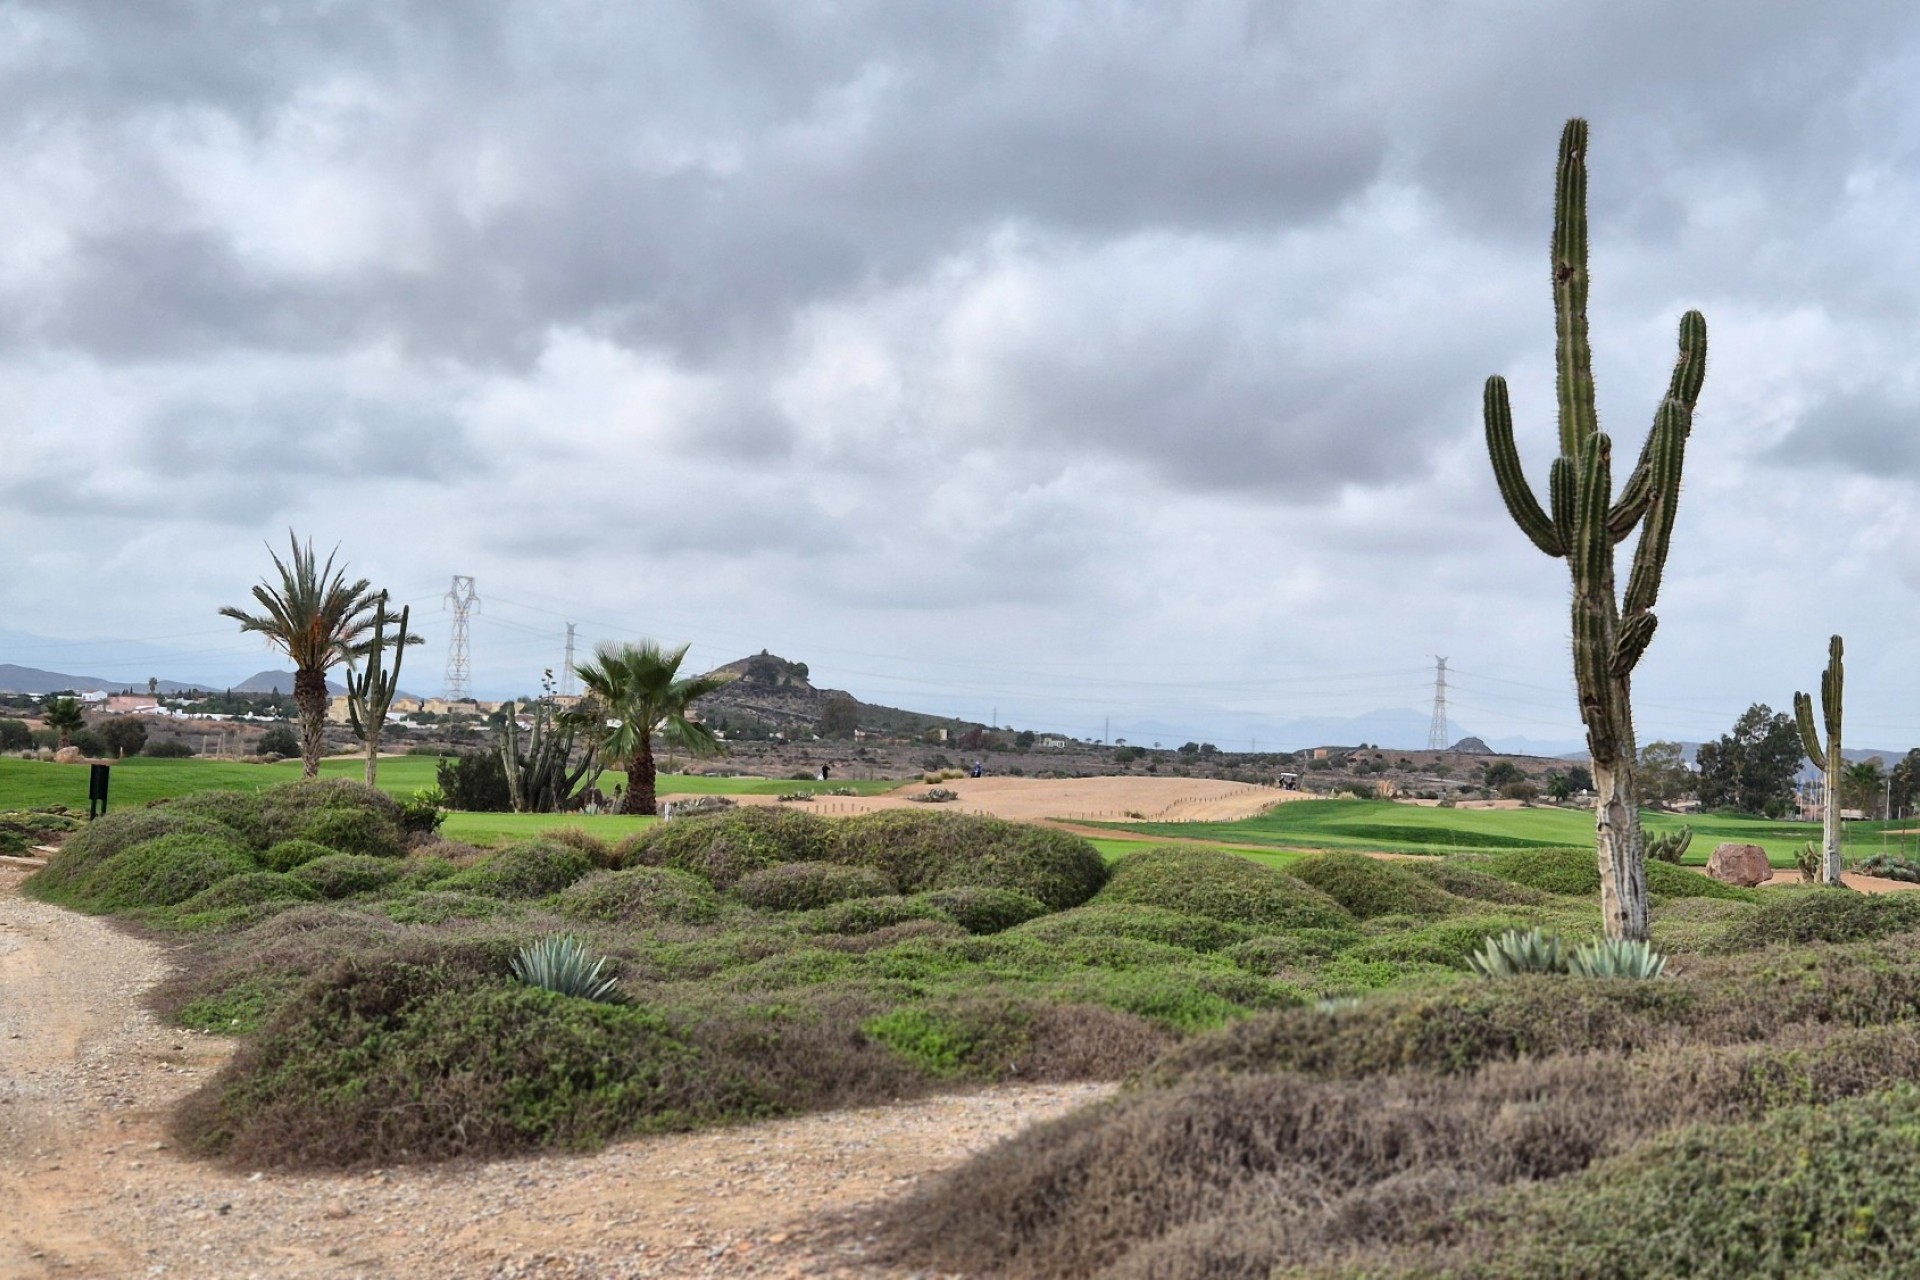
x=1111, y=368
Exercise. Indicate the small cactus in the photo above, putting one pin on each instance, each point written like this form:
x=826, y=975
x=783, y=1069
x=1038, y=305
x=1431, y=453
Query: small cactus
x=1826, y=757
x=560, y=963
x=1670, y=846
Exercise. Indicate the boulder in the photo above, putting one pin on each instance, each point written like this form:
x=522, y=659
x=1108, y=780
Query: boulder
x=68, y=755
x=1741, y=864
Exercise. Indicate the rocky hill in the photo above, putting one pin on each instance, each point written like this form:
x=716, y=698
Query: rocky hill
x=768, y=692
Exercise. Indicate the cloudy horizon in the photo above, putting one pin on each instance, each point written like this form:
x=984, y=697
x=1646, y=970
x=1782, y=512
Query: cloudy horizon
x=1070, y=364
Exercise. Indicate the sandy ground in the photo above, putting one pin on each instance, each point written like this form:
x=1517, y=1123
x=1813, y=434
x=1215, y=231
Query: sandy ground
x=1865, y=884
x=1067, y=799
x=90, y=1187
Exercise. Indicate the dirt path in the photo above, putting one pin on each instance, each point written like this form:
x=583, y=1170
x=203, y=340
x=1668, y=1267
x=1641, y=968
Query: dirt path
x=1115, y=799
x=89, y=1186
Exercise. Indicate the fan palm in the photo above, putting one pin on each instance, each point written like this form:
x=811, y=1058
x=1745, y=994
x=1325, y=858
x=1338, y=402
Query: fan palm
x=63, y=715
x=316, y=617
x=637, y=692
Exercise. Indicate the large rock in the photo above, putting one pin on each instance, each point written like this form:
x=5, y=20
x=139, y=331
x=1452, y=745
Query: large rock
x=68, y=755
x=1741, y=864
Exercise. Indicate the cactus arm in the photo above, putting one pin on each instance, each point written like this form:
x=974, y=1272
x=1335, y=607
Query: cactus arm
x=1669, y=444
x=510, y=757
x=1563, y=490
x=1831, y=688
x=1636, y=633
x=1689, y=373
x=1809, y=738
x=1508, y=474
x=1572, y=355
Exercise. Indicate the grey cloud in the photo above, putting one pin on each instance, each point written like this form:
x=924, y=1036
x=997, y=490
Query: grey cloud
x=1873, y=432
x=292, y=439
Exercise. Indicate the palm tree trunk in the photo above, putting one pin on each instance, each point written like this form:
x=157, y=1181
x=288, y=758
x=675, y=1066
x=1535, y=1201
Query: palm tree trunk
x=310, y=695
x=640, y=782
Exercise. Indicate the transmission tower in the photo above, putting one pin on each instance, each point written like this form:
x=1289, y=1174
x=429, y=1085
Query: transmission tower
x=1437, y=732
x=566, y=672
x=461, y=596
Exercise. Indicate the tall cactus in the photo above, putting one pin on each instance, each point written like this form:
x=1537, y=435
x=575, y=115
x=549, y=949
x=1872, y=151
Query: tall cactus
x=1582, y=523
x=542, y=773
x=1827, y=758
x=369, y=695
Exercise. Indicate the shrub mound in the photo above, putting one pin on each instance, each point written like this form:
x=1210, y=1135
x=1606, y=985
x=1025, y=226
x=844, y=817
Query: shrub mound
x=243, y=812
x=1574, y=873
x=865, y=915
x=352, y=830
x=805, y=886
x=724, y=848
x=1220, y=886
x=917, y=850
x=342, y=875
x=598, y=851
x=1148, y=924
x=105, y=838
x=289, y=854
x=249, y=889
x=529, y=869
x=1822, y=914
x=1369, y=887
x=640, y=895
x=981, y=910
x=159, y=873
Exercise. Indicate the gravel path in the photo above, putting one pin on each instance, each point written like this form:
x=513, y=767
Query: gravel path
x=89, y=1186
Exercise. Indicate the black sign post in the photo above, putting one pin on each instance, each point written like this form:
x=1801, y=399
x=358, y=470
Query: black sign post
x=97, y=791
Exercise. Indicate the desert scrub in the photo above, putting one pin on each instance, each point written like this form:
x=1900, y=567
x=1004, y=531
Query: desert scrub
x=360, y=831
x=1463, y=880
x=917, y=851
x=864, y=915
x=640, y=896
x=343, y=875
x=598, y=851
x=1369, y=887
x=105, y=838
x=981, y=910
x=805, y=886
x=249, y=889
x=1821, y=914
x=1147, y=924
x=434, y=907
x=243, y=812
x=972, y=1038
x=155, y=873
x=1220, y=886
x=290, y=854
x=1574, y=873
x=529, y=869
x=725, y=847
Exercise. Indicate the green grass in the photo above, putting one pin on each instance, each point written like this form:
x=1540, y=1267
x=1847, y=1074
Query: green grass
x=1385, y=826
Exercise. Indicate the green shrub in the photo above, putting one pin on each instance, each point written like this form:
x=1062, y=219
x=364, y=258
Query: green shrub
x=1295, y=949
x=724, y=848
x=1221, y=886
x=1576, y=873
x=1665, y=880
x=342, y=875
x=805, y=886
x=434, y=907
x=598, y=851
x=1465, y=881
x=529, y=869
x=249, y=889
x=560, y=963
x=1439, y=942
x=864, y=915
x=1369, y=887
x=166, y=749
x=1805, y=1191
x=243, y=812
x=1889, y=866
x=110, y=835
x=287, y=806
x=918, y=851
x=640, y=896
x=1822, y=914
x=288, y=854
x=1148, y=924
x=425, y=870
x=973, y=1038
x=159, y=873
x=982, y=910
x=353, y=830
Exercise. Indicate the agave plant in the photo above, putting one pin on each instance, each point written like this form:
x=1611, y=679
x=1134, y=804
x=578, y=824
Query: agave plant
x=560, y=963
x=1616, y=958
x=1518, y=951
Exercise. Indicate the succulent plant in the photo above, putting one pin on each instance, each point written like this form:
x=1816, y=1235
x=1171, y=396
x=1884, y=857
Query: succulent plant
x=1671, y=846
x=1826, y=757
x=560, y=963
x=1616, y=958
x=1519, y=951
x=1584, y=520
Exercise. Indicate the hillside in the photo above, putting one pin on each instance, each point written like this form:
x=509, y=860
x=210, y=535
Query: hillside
x=769, y=691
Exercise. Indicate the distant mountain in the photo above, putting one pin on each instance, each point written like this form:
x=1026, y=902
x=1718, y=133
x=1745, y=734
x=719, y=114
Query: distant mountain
x=33, y=680
x=269, y=681
x=768, y=690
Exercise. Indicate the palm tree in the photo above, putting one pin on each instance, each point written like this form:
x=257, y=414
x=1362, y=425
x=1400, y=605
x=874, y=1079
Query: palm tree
x=1862, y=783
x=316, y=617
x=637, y=691
x=63, y=714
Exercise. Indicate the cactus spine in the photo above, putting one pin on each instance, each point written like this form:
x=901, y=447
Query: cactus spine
x=1582, y=523
x=369, y=695
x=1826, y=758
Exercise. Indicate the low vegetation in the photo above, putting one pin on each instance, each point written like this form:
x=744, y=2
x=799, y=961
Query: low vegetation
x=1319, y=1083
